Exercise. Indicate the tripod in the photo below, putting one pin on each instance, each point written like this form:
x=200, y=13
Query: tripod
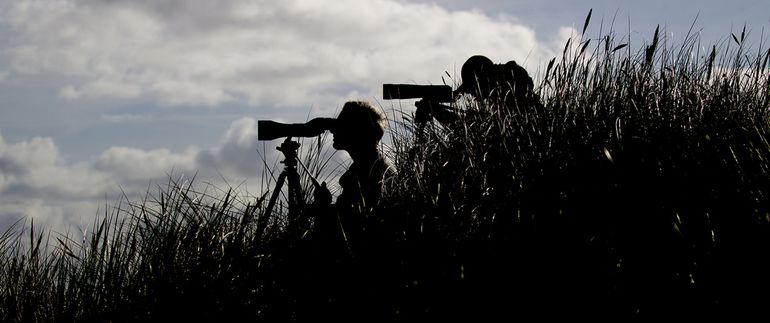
x=289, y=150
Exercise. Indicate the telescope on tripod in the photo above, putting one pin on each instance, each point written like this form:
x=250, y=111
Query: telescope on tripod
x=270, y=130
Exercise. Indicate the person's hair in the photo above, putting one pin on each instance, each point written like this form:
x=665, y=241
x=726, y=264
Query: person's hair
x=364, y=119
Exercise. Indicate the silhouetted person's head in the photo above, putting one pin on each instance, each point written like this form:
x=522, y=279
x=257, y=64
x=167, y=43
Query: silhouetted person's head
x=475, y=75
x=359, y=128
x=482, y=78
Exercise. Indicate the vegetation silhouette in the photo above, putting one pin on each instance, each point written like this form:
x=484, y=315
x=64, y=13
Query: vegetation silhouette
x=636, y=190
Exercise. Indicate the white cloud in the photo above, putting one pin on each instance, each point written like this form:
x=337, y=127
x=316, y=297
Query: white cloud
x=102, y=88
x=237, y=150
x=281, y=53
x=36, y=181
x=129, y=164
x=127, y=118
x=293, y=53
x=36, y=167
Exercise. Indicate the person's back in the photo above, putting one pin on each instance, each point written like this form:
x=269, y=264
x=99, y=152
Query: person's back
x=497, y=86
x=517, y=84
x=495, y=83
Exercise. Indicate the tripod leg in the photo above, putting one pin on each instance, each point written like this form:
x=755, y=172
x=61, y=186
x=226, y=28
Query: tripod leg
x=276, y=193
x=295, y=197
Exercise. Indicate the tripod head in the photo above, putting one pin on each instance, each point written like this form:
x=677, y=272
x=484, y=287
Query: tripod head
x=289, y=150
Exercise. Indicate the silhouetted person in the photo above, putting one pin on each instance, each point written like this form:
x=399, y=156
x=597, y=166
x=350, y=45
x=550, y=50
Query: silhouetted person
x=357, y=130
x=507, y=85
x=343, y=232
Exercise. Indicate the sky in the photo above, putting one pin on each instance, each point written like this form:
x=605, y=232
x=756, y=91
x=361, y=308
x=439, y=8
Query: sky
x=104, y=98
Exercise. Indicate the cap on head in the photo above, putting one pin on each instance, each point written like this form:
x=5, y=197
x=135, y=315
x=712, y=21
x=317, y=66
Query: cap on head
x=475, y=67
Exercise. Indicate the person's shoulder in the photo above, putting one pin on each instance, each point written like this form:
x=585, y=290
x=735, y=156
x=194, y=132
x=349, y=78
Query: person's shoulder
x=516, y=73
x=511, y=63
x=513, y=66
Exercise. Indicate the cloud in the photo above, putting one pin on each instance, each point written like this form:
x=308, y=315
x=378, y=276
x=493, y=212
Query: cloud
x=130, y=164
x=275, y=53
x=237, y=149
x=35, y=167
x=271, y=54
x=102, y=88
x=38, y=182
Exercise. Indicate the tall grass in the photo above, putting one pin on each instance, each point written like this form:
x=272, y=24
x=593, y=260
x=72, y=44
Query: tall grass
x=175, y=255
x=635, y=187
x=638, y=186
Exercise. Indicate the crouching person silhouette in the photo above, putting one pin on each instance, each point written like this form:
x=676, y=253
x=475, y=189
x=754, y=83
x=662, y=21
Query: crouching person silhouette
x=500, y=85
